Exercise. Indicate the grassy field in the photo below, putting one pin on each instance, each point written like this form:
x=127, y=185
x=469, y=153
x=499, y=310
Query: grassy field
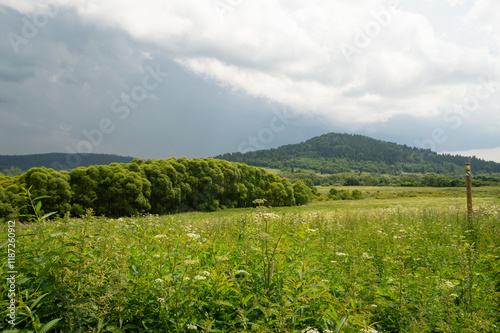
x=390, y=262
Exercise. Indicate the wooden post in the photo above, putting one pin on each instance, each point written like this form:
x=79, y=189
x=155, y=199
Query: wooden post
x=469, y=191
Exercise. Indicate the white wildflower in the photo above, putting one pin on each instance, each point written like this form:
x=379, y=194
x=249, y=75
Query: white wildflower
x=160, y=236
x=199, y=277
x=449, y=284
x=310, y=330
x=186, y=278
x=191, y=327
x=367, y=256
x=156, y=256
x=161, y=300
x=205, y=273
x=454, y=295
x=192, y=262
x=340, y=254
x=158, y=280
x=368, y=330
x=193, y=236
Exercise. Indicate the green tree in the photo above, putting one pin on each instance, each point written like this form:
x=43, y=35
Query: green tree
x=302, y=193
x=5, y=205
x=276, y=194
x=84, y=184
x=47, y=182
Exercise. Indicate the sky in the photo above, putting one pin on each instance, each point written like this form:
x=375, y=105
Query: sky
x=198, y=78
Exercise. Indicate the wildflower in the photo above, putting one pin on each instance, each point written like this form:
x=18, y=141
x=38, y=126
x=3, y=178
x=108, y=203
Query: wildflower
x=366, y=256
x=333, y=261
x=158, y=280
x=312, y=230
x=161, y=300
x=193, y=236
x=374, y=305
x=449, y=284
x=454, y=295
x=340, y=254
x=156, y=256
x=205, y=273
x=186, y=278
x=160, y=236
x=191, y=327
x=396, y=237
x=310, y=330
x=221, y=258
x=369, y=330
x=199, y=277
x=192, y=262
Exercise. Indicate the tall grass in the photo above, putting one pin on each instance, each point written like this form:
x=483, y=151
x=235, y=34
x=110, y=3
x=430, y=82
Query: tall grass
x=387, y=270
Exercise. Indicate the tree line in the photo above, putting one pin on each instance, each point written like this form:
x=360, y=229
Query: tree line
x=335, y=153
x=374, y=179
x=152, y=186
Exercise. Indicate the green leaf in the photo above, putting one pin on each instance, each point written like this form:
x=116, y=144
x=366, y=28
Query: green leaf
x=47, y=215
x=49, y=325
x=38, y=206
x=225, y=303
x=35, y=302
x=41, y=197
x=246, y=299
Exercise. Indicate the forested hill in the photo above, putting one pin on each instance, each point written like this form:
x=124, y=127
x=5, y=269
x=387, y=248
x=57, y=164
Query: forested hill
x=59, y=161
x=335, y=153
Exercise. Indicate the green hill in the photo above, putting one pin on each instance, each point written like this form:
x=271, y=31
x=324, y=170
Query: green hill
x=335, y=153
x=58, y=161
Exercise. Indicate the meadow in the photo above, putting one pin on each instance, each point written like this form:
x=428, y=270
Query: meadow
x=399, y=260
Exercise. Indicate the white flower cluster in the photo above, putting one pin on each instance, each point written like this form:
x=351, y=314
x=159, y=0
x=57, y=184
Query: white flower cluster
x=191, y=327
x=160, y=236
x=199, y=278
x=193, y=236
x=368, y=330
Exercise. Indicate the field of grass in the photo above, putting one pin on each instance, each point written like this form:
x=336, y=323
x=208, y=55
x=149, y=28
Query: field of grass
x=386, y=263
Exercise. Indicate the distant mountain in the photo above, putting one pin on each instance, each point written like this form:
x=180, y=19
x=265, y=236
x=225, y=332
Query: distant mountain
x=336, y=153
x=59, y=161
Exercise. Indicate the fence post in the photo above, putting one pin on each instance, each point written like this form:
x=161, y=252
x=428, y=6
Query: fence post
x=469, y=192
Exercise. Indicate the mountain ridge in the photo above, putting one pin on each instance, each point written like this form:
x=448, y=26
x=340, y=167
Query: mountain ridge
x=333, y=153
x=59, y=161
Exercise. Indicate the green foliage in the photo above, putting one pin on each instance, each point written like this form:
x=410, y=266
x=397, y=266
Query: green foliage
x=51, y=184
x=335, y=153
x=158, y=187
x=5, y=206
x=387, y=270
x=303, y=193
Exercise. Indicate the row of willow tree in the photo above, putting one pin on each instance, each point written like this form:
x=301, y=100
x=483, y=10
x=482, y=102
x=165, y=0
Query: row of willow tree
x=156, y=187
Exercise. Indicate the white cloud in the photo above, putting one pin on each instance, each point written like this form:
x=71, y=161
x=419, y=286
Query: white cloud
x=294, y=52
x=492, y=154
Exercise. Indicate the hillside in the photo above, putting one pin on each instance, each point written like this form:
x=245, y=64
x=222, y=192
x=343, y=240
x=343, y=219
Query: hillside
x=59, y=161
x=336, y=153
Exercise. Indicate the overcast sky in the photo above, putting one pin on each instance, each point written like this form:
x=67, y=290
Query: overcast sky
x=197, y=78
